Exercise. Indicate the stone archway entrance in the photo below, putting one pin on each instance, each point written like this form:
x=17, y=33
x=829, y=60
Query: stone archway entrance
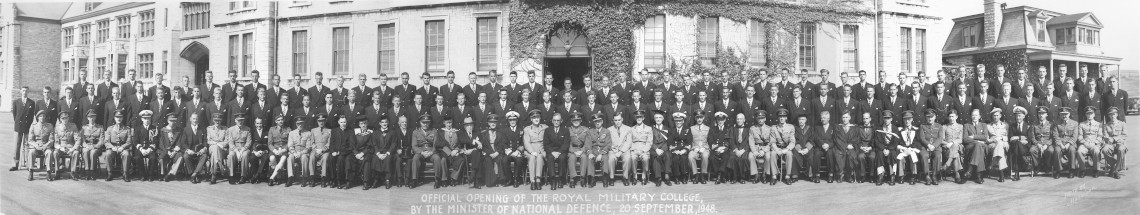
x=199, y=55
x=567, y=55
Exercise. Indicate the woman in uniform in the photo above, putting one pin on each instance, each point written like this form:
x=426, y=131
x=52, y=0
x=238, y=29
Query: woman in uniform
x=67, y=146
x=92, y=134
x=532, y=140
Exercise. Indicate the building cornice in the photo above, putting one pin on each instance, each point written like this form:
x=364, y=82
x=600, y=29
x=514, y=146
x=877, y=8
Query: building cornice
x=103, y=11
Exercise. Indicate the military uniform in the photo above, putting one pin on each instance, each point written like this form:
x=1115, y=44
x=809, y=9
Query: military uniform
x=117, y=140
x=319, y=150
x=1040, y=143
x=67, y=145
x=92, y=135
x=533, y=142
x=1090, y=134
x=579, y=161
x=1065, y=136
x=240, y=142
x=278, y=148
x=1114, y=149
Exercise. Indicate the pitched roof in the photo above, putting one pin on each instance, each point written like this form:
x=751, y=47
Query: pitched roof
x=1068, y=18
x=52, y=11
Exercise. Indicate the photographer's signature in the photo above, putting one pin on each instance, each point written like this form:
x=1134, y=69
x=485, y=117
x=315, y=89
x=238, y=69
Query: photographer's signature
x=1078, y=193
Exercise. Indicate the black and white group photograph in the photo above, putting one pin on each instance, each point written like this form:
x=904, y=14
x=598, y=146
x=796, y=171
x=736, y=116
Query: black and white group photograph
x=569, y=107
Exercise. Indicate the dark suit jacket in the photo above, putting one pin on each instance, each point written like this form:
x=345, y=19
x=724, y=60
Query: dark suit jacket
x=556, y=141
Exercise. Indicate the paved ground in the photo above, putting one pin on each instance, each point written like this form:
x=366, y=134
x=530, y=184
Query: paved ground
x=1031, y=195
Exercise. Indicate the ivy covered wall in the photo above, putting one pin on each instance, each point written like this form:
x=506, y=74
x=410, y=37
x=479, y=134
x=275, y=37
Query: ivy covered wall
x=609, y=24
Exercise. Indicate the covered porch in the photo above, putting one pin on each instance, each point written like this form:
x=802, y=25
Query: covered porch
x=1098, y=65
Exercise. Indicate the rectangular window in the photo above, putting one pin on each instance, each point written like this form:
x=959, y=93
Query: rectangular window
x=341, y=43
x=1081, y=35
x=488, y=31
x=100, y=67
x=758, y=44
x=387, y=53
x=85, y=34
x=82, y=65
x=124, y=28
x=103, y=31
x=246, y=54
x=1070, y=33
x=1060, y=36
x=195, y=16
x=1089, y=37
x=1041, y=31
x=121, y=69
x=146, y=23
x=66, y=73
x=807, y=46
x=241, y=5
x=850, y=48
x=920, y=49
x=146, y=65
x=435, y=45
x=300, y=52
x=904, y=49
x=708, y=29
x=655, y=41
x=68, y=34
x=235, y=51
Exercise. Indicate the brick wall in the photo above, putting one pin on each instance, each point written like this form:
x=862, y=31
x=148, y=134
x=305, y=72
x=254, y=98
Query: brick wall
x=38, y=64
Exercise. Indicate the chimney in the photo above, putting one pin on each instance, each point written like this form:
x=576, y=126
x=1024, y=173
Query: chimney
x=992, y=26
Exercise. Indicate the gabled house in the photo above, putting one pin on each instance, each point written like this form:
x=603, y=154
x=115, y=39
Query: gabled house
x=1028, y=38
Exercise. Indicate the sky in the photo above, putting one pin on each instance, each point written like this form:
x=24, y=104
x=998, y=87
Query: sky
x=1119, y=38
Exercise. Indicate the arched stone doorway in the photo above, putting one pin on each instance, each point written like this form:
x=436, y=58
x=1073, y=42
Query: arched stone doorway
x=198, y=55
x=567, y=55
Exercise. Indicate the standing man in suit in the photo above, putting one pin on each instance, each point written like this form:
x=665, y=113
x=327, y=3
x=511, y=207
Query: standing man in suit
x=427, y=91
x=230, y=90
x=405, y=90
x=239, y=105
x=49, y=106
x=363, y=92
x=78, y=87
x=88, y=103
x=208, y=87
x=340, y=93
x=158, y=84
x=1115, y=97
x=318, y=90
x=129, y=85
x=449, y=90
x=384, y=91
x=23, y=113
x=103, y=90
x=113, y=104
x=251, y=88
x=160, y=107
x=296, y=92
